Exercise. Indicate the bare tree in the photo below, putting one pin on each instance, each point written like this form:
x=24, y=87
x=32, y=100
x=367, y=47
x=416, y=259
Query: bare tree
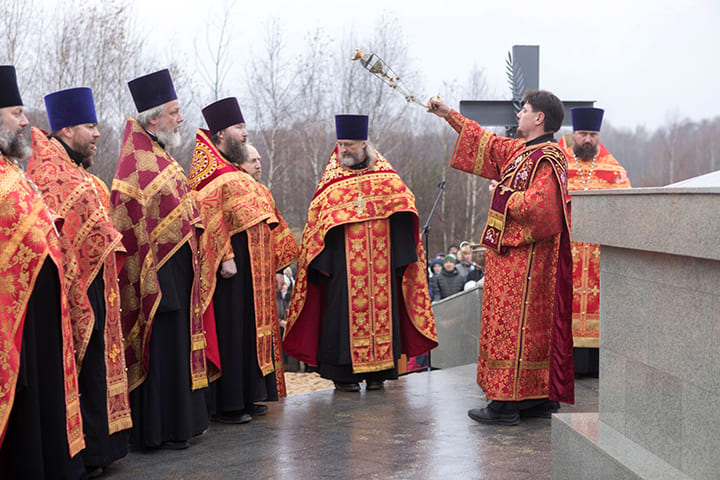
x=214, y=57
x=670, y=140
x=96, y=46
x=463, y=209
x=360, y=92
x=272, y=88
x=19, y=29
x=478, y=197
x=22, y=25
x=315, y=112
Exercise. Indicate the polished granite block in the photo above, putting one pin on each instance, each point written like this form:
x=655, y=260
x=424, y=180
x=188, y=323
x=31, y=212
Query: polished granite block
x=612, y=387
x=416, y=428
x=692, y=273
x=653, y=404
x=457, y=319
x=662, y=220
x=661, y=321
x=575, y=451
x=700, y=426
x=629, y=334
x=714, y=357
x=585, y=448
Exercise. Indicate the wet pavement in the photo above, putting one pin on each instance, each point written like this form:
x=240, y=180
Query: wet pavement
x=416, y=428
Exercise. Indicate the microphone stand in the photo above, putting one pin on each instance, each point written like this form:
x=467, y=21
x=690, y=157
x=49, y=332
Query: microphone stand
x=426, y=232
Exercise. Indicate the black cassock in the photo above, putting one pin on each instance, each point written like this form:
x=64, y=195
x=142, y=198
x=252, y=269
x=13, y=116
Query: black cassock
x=334, y=360
x=101, y=449
x=164, y=406
x=242, y=382
x=36, y=444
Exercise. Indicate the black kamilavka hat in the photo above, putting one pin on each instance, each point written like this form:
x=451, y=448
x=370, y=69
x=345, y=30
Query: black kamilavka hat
x=351, y=127
x=222, y=114
x=586, y=119
x=152, y=90
x=9, y=92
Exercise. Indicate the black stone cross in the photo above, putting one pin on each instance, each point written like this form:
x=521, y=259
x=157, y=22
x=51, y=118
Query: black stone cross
x=500, y=113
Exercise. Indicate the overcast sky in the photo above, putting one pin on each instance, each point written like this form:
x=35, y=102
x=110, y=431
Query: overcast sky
x=646, y=62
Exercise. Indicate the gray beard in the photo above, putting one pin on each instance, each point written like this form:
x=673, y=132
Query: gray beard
x=350, y=160
x=14, y=146
x=169, y=138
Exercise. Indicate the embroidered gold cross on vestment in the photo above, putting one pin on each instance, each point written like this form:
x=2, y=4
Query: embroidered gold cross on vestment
x=359, y=203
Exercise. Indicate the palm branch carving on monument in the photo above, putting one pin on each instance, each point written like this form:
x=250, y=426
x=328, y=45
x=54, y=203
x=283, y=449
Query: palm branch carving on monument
x=516, y=81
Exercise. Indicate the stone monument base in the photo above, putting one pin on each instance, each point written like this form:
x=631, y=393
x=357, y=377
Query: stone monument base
x=583, y=448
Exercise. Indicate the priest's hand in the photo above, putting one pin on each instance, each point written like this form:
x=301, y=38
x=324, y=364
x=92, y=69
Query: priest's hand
x=228, y=268
x=438, y=107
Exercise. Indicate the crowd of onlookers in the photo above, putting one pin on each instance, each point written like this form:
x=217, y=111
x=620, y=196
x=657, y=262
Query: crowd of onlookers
x=461, y=268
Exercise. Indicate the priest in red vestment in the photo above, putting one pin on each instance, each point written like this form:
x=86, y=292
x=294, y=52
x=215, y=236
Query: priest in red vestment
x=92, y=253
x=284, y=244
x=525, y=359
x=239, y=267
x=361, y=295
x=590, y=167
x=41, y=429
x=153, y=208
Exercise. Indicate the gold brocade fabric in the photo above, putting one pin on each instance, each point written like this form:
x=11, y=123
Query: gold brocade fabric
x=362, y=201
x=367, y=253
x=90, y=242
x=154, y=210
x=606, y=173
x=521, y=280
x=231, y=201
x=27, y=239
x=267, y=326
x=285, y=246
x=286, y=251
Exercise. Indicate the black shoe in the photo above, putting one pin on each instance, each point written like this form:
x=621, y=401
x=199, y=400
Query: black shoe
x=176, y=445
x=375, y=385
x=233, y=417
x=93, y=472
x=490, y=417
x=541, y=411
x=258, y=409
x=347, y=387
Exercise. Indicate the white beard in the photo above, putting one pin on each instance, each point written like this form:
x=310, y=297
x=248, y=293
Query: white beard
x=170, y=138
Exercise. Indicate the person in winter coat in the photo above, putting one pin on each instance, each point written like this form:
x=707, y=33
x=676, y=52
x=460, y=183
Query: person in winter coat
x=449, y=281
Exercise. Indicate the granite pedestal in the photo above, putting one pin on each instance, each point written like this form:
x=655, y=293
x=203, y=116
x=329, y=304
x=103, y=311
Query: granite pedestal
x=659, y=335
x=457, y=319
